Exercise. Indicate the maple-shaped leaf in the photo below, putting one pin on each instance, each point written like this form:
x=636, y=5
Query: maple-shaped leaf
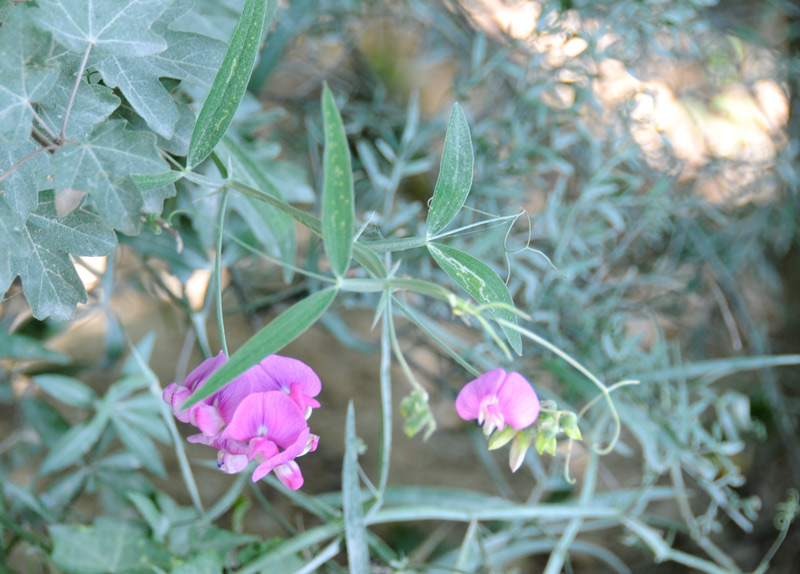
x=188, y=56
x=19, y=187
x=102, y=167
x=104, y=26
x=93, y=103
x=25, y=75
x=49, y=279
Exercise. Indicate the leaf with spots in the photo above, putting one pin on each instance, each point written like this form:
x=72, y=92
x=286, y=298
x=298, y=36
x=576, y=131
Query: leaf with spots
x=25, y=75
x=338, y=209
x=231, y=80
x=49, y=279
x=481, y=282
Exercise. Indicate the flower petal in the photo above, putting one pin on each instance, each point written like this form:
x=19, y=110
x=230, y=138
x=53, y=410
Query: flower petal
x=199, y=375
x=272, y=414
x=292, y=452
x=518, y=402
x=289, y=474
x=284, y=371
x=468, y=402
x=207, y=419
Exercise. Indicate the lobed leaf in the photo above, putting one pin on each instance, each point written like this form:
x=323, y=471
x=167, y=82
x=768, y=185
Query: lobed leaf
x=338, y=209
x=455, y=173
x=231, y=80
x=481, y=282
x=284, y=329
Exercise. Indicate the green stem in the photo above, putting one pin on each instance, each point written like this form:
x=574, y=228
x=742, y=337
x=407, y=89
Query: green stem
x=218, y=270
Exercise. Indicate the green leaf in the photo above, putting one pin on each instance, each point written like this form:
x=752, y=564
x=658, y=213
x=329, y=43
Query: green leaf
x=102, y=167
x=156, y=180
x=140, y=445
x=481, y=282
x=21, y=348
x=51, y=284
x=158, y=522
x=338, y=210
x=109, y=27
x=47, y=421
x=455, y=173
x=19, y=189
x=273, y=228
x=67, y=390
x=206, y=563
x=110, y=545
x=74, y=444
x=12, y=243
x=354, y=527
x=231, y=80
x=284, y=329
x=93, y=103
x=25, y=75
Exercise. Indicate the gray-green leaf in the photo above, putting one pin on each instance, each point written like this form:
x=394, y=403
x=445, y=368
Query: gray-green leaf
x=67, y=390
x=354, y=529
x=231, y=80
x=338, y=210
x=110, y=27
x=25, y=75
x=102, y=166
x=455, y=173
x=481, y=282
x=51, y=284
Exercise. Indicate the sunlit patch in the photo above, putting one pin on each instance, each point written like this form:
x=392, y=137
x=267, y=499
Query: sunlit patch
x=90, y=269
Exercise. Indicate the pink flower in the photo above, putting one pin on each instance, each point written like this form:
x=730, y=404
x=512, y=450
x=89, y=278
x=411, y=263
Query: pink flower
x=274, y=430
x=293, y=377
x=497, y=398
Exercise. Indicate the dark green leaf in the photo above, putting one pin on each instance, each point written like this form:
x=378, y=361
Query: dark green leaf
x=354, y=528
x=455, y=173
x=338, y=210
x=231, y=80
x=284, y=329
x=480, y=281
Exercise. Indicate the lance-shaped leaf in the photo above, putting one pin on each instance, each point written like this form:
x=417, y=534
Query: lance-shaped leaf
x=338, y=210
x=231, y=80
x=455, y=173
x=108, y=27
x=25, y=75
x=481, y=282
x=354, y=529
x=284, y=329
x=49, y=279
x=102, y=167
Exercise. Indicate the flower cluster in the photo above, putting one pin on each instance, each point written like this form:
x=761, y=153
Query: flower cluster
x=260, y=415
x=502, y=401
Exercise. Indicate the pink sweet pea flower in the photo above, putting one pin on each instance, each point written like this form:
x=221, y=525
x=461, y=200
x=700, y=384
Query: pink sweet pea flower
x=293, y=377
x=274, y=429
x=496, y=399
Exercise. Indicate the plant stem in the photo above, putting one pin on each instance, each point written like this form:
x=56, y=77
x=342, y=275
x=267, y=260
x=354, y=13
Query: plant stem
x=71, y=101
x=218, y=270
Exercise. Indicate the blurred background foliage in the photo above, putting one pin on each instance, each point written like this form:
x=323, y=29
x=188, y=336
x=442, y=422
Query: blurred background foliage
x=647, y=149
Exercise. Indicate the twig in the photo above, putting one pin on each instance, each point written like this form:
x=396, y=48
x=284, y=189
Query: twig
x=25, y=159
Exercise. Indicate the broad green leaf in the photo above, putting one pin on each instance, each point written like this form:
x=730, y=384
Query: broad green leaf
x=93, y=103
x=67, y=390
x=338, y=210
x=25, y=75
x=273, y=228
x=284, y=329
x=109, y=27
x=22, y=348
x=139, y=444
x=110, y=545
x=102, y=167
x=51, y=284
x=455, y=173
x=481, y=282
x=231, y=80
x=354, y=528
